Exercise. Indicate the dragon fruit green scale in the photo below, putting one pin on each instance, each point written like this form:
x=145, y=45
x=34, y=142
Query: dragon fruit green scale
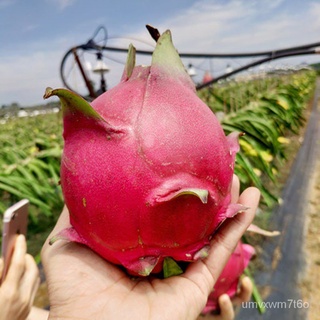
x=146, y=169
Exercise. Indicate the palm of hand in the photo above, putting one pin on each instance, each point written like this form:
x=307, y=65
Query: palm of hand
x=82, y=285
x=93, y=288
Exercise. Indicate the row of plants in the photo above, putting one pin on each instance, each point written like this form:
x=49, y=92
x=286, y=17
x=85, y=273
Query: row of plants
x=264, y=109
x=30, y=155
x=268, y=112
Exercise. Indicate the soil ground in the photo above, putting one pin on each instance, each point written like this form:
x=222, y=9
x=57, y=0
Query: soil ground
x=311, y=281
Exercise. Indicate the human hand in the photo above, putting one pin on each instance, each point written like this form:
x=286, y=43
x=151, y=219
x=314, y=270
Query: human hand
x=82, y=285
x=38, y=314
x=18, y=290
x=227, y=305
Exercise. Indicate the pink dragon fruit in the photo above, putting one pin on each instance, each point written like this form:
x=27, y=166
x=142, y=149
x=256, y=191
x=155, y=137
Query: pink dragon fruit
x=229, y=278
x=146, y=169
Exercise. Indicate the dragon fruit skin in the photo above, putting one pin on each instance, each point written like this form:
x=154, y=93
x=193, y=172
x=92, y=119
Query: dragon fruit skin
x=146, y=170
x=229, y=278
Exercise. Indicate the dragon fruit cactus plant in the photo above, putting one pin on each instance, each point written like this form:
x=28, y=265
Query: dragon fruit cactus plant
x=146, y=169
x=229, y=278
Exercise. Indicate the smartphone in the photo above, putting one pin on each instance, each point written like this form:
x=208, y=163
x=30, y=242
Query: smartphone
x=15, y=222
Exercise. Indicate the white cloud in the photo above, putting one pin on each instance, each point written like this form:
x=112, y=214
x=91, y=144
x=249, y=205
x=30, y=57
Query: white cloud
x=240, y=26
x=270, y=4
x=214, y=26
x=62, y=4
x=314, y=11
x=26, y=77
x=207, y=26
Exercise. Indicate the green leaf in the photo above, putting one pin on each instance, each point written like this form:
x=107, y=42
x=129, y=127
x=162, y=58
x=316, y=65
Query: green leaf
x=131, y=61
x=171, y=268
x=255, y=293
x=71, y=102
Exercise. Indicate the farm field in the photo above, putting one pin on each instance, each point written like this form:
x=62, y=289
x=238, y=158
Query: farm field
x=288, y=262
x=272, y=112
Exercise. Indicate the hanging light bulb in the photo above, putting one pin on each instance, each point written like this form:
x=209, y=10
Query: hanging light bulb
x=191, y=70
x=229, y=69
x=100, y=66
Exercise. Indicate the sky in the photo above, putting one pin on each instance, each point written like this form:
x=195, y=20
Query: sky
x=36, y=34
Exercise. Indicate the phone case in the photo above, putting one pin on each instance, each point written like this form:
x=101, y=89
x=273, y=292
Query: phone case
x=15, y=221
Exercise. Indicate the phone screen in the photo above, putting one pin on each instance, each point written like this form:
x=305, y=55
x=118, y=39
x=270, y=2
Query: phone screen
x=15, y=221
